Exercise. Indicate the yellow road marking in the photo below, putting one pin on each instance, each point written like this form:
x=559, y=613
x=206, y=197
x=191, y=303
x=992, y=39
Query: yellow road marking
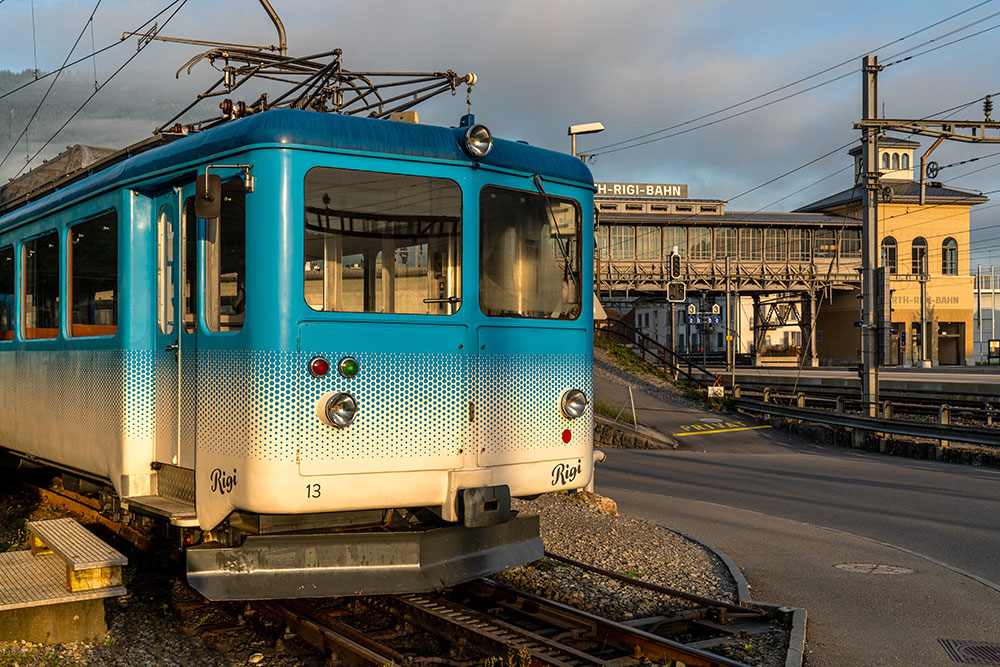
x=722, y=430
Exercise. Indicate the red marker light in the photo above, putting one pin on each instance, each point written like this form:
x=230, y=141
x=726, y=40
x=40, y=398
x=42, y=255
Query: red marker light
x=319, y=366
x=567, y=436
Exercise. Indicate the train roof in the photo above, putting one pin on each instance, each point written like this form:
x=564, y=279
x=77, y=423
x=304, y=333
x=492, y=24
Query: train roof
x=130, y=167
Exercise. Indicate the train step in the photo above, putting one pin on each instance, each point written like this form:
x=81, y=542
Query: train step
x=178, y=512
x=54, y=592
x=174, y=497
x=90, y=562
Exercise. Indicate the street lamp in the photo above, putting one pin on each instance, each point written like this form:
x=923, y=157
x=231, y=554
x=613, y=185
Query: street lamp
x=584, y=128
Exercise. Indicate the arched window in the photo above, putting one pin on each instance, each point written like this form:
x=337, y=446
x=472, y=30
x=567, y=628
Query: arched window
x=918, y=255
x=647, y=242
x=889, y=254
x=750, y=244
x=700, y=240
x=906, y=161
x=622, y=242
x=774, y=245
x=885, y=160
x=725, y=242
x=895, y=160
x=949, y=257
x=826, y=243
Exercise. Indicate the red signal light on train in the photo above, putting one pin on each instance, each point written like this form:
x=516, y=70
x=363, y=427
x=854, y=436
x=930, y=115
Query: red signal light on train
x=319, y=366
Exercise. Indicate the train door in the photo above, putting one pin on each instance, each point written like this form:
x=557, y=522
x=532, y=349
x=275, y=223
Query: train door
x=166, y=221
x=531, y=342
x=188, y=291
x=176, y=333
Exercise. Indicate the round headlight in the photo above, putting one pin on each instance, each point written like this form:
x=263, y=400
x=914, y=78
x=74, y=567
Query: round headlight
x=573, y=403
x=340, y=410
x=478, y=141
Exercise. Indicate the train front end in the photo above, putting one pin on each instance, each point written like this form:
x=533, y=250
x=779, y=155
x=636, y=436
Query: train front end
x=419, y=324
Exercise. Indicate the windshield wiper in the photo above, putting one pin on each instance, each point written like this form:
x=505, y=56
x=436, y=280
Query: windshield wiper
x=563, y=250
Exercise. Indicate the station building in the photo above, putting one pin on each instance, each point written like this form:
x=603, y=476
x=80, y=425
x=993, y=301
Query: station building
x=794, y=277
x=924, y=245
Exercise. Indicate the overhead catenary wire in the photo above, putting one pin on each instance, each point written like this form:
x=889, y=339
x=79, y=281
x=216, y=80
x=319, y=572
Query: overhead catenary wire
x=141, y=48
x=600, y=150
x=89, y=55
x=34, y=43
x=92, y=49
x=41, y=102
x=945, y=113
x=941, y=46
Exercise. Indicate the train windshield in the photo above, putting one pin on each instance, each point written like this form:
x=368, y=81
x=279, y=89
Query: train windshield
x=529, y=258
x=382, y=243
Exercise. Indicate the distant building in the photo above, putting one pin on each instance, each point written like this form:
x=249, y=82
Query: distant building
x=787, y=268
x=928, y=241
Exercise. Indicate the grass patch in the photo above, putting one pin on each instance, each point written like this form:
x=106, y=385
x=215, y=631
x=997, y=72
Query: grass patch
x=545, y=564
x=632, y=574
x=629, y=361
x=613, y=412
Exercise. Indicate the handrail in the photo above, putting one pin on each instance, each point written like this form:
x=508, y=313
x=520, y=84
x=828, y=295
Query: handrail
x=644, y=342
x=918, y=429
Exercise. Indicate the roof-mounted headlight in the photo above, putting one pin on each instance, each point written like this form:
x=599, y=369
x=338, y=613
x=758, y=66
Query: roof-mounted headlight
x=573, y=403
x=478, y=141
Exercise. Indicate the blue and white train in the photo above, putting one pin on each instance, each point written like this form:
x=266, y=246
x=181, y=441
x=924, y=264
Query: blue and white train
x=332, y=368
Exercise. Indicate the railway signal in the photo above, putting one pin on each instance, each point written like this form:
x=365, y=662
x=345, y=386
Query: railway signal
x=675, y=266
x=676, y=292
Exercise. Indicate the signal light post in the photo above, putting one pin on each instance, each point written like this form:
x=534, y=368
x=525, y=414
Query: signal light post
x=676, y=290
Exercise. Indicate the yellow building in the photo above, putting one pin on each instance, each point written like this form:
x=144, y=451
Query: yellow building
x=925, y=246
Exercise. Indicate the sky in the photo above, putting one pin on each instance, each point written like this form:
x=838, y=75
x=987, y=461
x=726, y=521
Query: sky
x=637, y=66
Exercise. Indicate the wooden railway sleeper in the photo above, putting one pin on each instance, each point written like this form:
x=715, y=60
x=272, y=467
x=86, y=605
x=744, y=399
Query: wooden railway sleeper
x=498, y=634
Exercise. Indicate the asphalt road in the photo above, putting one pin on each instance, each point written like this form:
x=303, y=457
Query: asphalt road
x=789, y=512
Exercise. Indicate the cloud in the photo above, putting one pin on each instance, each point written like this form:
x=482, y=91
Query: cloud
x=637, y=66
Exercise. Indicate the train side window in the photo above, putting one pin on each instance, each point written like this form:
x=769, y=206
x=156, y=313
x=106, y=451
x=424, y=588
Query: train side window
x=7, y=293
x=382, y=243
x=189, y=263
x=40, y=282
x=165, y=270
x=225, y=262
x=93, y=283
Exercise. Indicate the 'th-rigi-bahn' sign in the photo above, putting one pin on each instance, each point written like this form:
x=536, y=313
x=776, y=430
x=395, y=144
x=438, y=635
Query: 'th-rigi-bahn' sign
x=641, y=190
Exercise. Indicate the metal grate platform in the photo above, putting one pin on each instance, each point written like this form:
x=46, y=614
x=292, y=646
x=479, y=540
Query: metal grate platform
x=971, y=652
x=179, y=513
x=77, y=546
x=35, y=581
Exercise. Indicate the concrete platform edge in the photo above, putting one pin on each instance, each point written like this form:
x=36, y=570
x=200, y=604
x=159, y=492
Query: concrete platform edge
x=641, y=433
x=797, y=634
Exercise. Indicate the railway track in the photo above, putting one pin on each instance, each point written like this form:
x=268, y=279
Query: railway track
x=469, y=624
x=464, y=626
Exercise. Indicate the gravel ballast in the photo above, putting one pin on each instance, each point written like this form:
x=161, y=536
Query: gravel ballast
x=586, y=527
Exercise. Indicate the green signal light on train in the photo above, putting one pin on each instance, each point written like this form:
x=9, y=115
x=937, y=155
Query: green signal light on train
x=348, y=367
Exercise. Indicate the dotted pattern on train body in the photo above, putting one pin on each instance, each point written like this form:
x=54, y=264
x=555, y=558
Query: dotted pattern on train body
x=262, y=405
x=90, y=397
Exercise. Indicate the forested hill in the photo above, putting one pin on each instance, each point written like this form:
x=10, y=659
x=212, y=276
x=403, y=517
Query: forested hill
x=120, y=114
